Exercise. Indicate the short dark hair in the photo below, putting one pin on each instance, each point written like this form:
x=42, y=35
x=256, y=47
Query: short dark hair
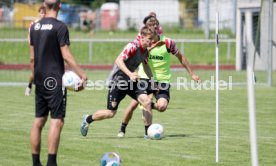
x=147, y=18
x=52, y=4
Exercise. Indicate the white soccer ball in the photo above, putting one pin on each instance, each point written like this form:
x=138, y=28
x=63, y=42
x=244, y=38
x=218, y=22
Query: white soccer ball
x=110, y=159
x=113, y=163
x=71, y=80
x=156, y=131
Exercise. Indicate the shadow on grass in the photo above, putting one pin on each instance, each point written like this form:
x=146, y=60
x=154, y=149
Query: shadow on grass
x=135, y=137
x=177, y=135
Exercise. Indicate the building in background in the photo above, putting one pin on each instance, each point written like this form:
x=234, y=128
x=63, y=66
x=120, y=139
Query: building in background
x=132, y=13
x=252, y=13
x=226, y=10
x=109, y=16
x=24, y=14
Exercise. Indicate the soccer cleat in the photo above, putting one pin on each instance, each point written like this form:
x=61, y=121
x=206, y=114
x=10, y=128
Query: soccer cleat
x=140, y=106
x=84, y=126
x=146, y=137
x=121, y=134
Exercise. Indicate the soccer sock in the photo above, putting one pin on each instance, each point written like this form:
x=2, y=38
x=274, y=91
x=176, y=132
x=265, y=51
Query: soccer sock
x=146, y=129
x=52, y=160
x=123, y=127
x=36, y=160
x=89, y=119
x=30, y=85
x=152, y=105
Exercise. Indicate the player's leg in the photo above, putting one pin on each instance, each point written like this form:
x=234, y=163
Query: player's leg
x=35, y=139
x=96, y=116
x=146, y=103
x=57, y=106
x=127, y=117
x=54, y=133
x=129, y=111
x=103, y=114
x=114, y=97
x=162, y=97
x=41, y=114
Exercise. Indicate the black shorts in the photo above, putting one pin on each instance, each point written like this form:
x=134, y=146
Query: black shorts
x=53, y=101
x=117, y=93
x=148, y=85
x=164, y=91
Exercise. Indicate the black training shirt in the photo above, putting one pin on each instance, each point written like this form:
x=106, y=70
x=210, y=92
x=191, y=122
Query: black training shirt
x=47, y=36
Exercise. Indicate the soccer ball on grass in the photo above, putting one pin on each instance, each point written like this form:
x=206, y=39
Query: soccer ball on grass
x=156, y=131
x=110, y=159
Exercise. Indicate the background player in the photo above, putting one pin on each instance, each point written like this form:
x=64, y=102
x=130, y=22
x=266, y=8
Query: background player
x=42, y=12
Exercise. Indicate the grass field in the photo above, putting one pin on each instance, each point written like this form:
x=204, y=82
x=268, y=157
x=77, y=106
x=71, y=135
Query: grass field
x=189, y=128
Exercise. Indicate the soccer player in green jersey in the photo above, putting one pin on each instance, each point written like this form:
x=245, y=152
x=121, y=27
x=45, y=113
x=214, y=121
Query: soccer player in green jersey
x=159, y=62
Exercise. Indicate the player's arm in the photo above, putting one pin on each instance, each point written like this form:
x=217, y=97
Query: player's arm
x=184, y=61
x=121, y=64
x=70, y=60
x=31, y=62
x=171, y=47
x=64, y=42
x=127, y=52
x=157, y=44
x=28, y=89
x=31, y=78
x=147, y=70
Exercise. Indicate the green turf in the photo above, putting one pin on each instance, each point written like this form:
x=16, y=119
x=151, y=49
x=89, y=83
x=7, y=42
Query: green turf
x=189, y=128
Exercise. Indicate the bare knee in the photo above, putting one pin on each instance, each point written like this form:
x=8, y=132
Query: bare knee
x=162, y=107
x=146, y=103
x=133, y=105
x=57, y=122
x=39, y=123
x=162, y=104
x=110, y=114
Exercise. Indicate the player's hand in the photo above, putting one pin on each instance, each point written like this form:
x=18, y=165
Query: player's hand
x=195, y=77
x=28, y=91
x=157, y=44
x=133, y=76
x=82, y=83
x=156, y=88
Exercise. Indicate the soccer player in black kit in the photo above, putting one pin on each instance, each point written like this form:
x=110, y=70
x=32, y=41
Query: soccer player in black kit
x=49, y=48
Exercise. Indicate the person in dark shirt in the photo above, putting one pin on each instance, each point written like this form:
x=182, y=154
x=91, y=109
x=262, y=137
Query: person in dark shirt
x=49, y=48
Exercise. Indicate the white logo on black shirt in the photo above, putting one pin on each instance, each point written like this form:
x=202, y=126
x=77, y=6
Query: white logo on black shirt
x=37, y=26
x=46, y=27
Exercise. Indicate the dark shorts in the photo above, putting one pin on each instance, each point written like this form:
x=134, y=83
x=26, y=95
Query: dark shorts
x=148, y=85
x=164, y=91
x=53, y=101
x=117, y=93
